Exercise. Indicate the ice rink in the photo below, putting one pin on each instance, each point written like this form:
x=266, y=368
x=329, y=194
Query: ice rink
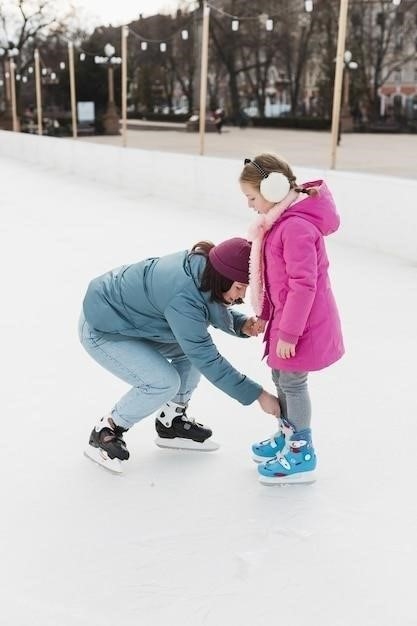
x=183, y=538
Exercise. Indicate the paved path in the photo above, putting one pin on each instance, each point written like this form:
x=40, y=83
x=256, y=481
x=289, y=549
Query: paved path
x=394, y=155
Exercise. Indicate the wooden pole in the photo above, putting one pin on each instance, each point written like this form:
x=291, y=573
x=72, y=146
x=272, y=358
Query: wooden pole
x=72, y=89
x=204, y=68
x=13, y=94
x=7, y=77
x=338, y=81
x=110, y=81
x=125, y=32
x=38, y=92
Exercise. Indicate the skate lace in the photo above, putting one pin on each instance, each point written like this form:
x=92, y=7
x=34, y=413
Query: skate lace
x=111, y=434
x=190, y=420
x=185, y=418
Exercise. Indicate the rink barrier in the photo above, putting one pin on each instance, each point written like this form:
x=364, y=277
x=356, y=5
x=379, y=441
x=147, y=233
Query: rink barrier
x=378, y=212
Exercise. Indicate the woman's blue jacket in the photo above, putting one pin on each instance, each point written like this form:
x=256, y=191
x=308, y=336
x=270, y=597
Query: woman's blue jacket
x=159, y=299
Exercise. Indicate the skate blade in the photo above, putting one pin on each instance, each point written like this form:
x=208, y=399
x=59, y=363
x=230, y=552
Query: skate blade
x=100, y=457
x=304, y=478
x=180, y=443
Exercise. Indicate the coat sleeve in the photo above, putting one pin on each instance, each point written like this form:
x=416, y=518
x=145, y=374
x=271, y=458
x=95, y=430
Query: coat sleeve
x=188, y=321
x=300, y=258
x=238, y=319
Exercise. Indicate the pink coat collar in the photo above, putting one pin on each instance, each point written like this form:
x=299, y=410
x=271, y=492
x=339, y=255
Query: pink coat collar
x=257, y=231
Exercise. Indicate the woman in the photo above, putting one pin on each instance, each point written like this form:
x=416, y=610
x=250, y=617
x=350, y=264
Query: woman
x=147, y=323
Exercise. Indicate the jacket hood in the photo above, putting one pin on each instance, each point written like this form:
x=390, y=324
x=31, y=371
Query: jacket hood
x=320, y=210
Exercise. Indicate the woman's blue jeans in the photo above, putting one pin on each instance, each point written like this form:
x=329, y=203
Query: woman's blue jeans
x=157, y=372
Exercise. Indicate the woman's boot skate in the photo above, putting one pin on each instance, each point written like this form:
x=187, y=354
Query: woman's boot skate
x=107, y=446
x=176, y=430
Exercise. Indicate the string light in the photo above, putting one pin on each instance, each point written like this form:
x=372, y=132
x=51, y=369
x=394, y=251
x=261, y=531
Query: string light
x=308, y=5
x=109, y=50
x=184, y=33
x=269, y=24
x=235, y=25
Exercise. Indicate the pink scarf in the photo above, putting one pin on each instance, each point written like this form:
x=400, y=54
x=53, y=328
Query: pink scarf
x=257, y=232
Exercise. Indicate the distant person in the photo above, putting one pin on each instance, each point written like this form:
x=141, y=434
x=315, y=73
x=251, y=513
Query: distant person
x=242, y=119
x=218, y=117
x=292, y=297
x=147, y=323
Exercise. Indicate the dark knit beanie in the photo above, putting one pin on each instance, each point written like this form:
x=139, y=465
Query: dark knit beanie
x=231, y=259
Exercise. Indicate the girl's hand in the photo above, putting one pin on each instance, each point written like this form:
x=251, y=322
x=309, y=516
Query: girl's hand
x=285, y=350
x=250, y=327
x=260, y=325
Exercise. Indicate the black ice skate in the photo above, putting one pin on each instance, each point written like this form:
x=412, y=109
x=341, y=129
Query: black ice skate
x=176, y=430
x=106, y=445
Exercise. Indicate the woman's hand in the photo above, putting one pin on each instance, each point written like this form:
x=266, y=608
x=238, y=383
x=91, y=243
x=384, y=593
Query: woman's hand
x=285, y=350
x=250, y=327
x=269, y=403
x=253, y=326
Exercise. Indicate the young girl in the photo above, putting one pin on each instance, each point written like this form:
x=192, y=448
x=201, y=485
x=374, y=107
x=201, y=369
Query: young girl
x=292, y=297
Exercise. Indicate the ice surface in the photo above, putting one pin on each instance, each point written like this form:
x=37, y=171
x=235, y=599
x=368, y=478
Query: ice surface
x=183, y=538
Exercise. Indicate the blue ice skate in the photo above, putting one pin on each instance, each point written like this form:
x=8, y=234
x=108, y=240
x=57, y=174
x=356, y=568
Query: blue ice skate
x=269, y=448
x=295, y=464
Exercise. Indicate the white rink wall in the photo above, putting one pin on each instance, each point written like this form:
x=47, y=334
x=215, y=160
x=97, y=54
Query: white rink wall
x=378, y=212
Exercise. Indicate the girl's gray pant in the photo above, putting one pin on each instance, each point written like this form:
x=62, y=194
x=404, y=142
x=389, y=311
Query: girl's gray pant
x=294, y=398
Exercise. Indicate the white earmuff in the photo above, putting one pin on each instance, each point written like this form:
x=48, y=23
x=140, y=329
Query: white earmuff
x=274, y=187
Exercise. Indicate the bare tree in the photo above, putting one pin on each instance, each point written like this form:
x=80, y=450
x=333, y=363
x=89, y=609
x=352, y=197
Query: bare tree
x=382, y=38
x=27, y=25
x=296, y=30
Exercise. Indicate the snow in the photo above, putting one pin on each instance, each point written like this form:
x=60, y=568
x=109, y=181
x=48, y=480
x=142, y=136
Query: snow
x=187, y=538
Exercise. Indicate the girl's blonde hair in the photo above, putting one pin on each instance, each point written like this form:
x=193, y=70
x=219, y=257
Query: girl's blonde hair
x=271, y=163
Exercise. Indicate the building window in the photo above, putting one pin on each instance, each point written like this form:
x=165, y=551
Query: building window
x=397, y=75
x=399, y=39
x=380, y=19
x=399, y=18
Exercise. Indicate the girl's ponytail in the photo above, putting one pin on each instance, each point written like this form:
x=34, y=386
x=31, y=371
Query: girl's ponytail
x=310, y=191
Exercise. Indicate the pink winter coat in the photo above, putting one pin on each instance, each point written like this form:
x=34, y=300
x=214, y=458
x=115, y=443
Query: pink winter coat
x=299, y=302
